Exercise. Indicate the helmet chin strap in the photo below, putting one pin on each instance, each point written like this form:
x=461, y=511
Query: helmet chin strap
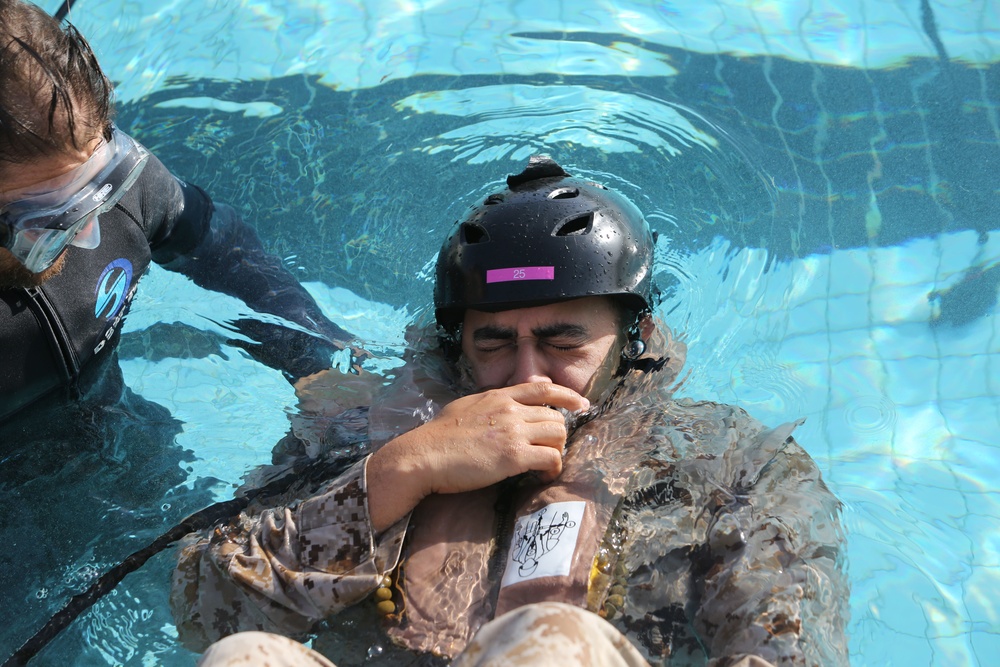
x=633, y=349
x=631, y=360
x=635, y=346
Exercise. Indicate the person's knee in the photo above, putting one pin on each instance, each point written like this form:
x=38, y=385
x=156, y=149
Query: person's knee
x=253, y=649
x=549, y=633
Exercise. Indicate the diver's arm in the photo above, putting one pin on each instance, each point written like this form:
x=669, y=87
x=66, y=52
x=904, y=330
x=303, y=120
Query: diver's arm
x=775, y=586
x=230, y=259
x=211, y=244
x=285, y=569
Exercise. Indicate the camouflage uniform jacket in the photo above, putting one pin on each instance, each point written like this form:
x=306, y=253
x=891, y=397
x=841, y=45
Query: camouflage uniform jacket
x=711, y=538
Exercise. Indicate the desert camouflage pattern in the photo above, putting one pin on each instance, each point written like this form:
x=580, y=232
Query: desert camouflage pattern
x=283, y=569
x=719, y=544
x=547, y=634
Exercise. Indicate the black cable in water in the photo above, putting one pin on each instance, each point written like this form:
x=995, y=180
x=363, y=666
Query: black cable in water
x=80, y=602
x=64, y=9
x=315, y=471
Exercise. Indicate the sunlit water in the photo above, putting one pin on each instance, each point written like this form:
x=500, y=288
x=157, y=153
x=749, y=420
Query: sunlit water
x=822, y=176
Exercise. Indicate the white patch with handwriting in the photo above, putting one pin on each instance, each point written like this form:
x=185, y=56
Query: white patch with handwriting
x=543, y=542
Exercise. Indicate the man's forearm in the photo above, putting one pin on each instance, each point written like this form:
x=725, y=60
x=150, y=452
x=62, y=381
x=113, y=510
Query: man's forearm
x=777, y=589
x=285, y=569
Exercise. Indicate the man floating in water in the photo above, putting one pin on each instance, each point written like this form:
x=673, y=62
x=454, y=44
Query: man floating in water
x=533, y=493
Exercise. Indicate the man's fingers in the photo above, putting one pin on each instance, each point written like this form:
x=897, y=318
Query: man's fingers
x=534, y=414
x=546, y=460
x=547, y=393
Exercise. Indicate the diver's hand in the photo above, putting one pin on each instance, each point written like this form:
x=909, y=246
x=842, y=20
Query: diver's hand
x=475, y=441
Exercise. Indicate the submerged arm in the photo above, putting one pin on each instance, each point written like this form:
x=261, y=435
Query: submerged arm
x=774, y=585
x=284, y=569
x=211, y=244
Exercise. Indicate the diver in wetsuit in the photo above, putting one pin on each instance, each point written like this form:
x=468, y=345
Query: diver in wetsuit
x=483, y=527
x=84, y=209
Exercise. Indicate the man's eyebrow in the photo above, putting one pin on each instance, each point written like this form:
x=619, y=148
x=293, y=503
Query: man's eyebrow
x=559, y=329
x=492, y=332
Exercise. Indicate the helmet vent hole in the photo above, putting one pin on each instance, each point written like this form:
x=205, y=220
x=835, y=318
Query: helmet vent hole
x=575, y=226
x=472, y=234
x=564, y=193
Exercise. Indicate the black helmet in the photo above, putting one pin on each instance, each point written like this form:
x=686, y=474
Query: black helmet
x=549, y=237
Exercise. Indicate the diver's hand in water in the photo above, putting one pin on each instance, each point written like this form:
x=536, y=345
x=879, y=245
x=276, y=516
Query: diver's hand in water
x=474, y=442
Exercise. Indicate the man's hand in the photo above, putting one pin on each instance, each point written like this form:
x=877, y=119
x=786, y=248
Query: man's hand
x=474, y=442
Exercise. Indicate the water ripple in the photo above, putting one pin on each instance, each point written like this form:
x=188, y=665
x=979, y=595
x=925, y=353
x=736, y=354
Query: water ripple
x=870, y=415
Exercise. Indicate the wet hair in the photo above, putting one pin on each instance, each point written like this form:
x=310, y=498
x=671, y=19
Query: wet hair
x=54, y=97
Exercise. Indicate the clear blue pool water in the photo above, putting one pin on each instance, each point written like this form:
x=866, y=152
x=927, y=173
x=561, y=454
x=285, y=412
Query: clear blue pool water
x=824, y=177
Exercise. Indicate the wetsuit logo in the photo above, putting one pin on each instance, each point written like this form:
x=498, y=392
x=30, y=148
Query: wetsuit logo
x=113, y=288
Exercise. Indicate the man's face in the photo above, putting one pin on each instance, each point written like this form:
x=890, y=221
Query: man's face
x=22, y=180
x=571, y=343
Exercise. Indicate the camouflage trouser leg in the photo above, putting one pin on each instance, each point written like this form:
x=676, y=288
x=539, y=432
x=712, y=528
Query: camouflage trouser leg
x=538, y=635
x=245, y=649
x=550, y=634
x=546, y=634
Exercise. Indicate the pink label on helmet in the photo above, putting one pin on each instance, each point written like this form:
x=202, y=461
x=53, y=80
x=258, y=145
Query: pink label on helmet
x=521, y=273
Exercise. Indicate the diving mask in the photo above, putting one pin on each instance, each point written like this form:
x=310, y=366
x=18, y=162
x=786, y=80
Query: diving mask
x=38, y=227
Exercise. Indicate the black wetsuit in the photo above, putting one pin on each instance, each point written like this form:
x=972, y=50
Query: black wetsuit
x=49, y=336
x=90, y=470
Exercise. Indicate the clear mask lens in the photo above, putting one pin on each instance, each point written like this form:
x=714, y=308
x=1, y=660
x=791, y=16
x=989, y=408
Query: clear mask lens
x=89, y=236
x=41, y=226
x=38, y=249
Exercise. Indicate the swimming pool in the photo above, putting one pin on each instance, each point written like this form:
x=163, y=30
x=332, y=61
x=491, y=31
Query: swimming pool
x=822, y=176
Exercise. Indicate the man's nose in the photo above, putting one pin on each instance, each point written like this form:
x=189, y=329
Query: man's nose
x=530, y=365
